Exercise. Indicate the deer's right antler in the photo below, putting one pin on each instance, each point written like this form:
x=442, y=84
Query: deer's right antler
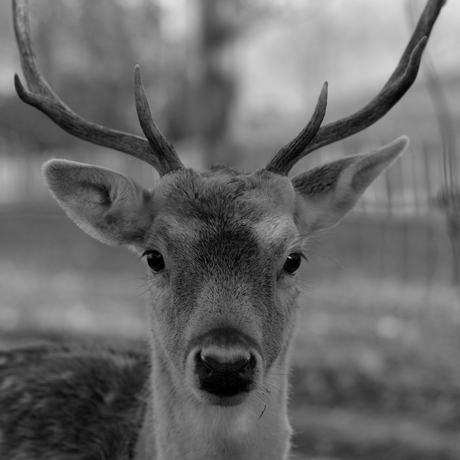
x=399, y=82
x=156, y=150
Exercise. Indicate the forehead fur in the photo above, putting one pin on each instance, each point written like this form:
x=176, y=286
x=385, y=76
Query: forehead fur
x=225, y=193
x=194, y=208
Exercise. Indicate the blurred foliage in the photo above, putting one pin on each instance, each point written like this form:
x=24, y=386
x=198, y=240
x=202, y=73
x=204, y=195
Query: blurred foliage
x=243, y=72
x=87, y=50
x=84, y=50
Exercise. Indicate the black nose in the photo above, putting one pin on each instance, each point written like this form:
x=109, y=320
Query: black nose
x=221, y=377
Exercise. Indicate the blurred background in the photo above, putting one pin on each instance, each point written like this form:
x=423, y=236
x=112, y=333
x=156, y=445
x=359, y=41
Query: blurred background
x=376, y=368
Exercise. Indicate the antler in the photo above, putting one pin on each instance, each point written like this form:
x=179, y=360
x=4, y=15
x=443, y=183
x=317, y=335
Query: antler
x=291, y=153
x=399, y=82
x=156, y=151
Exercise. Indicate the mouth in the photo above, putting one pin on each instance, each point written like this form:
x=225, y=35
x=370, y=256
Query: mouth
x=223, y=400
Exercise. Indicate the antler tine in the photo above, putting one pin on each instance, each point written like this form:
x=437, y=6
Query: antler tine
x=35, y=81
x=167, y=156
x=288, y=155
x=422, y=30
x=40, y=95
x=397, y=85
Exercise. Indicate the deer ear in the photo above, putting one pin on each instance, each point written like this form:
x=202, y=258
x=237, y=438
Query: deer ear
x=325, y=195
x=105, y=204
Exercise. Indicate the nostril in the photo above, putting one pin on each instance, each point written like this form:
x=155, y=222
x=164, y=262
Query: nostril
x=203, y=366
x=247, y=367
x=242, y=364
x=209, y=362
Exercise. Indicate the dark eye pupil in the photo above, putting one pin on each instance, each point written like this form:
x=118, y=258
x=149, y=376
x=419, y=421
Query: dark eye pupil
x=155, y=261
x=292, y=263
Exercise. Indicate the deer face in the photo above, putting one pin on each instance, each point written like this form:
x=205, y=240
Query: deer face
x=222, y=248
x=222, y=278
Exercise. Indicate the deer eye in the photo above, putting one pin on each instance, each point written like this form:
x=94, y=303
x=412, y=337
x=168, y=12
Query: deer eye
x=155, y=260
x=292, y=263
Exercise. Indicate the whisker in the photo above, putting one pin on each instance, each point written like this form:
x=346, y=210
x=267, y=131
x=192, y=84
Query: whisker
x=259, y=398
x=263, y=412
x=274, y=386
x=268, y=396
x=251, y=409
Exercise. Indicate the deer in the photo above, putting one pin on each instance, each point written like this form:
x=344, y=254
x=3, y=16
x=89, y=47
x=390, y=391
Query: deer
x=223, y=249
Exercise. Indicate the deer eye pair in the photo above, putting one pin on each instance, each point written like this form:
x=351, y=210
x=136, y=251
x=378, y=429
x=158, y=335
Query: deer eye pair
x=292, y=263
x=154, y=260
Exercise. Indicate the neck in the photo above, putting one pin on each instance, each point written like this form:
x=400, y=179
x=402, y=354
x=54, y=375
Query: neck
x=178, y=426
